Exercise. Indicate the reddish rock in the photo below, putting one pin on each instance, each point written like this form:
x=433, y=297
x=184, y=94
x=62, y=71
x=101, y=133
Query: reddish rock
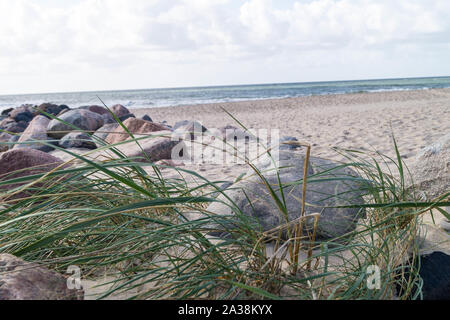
x=14, y=161
x=119, y=110
x=98, y=109
x=21, y=280
x=36, y=130
x=137, y=127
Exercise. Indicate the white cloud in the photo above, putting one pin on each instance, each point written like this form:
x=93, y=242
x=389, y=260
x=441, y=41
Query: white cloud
x=145, y=43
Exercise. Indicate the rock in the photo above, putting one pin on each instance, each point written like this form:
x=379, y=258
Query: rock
x=11, y=125
x=147, y=118
x=34, y=161
x=103, y=132
x=77, y=140
x=50, y=108
x=156, y=148
x=36, y=130
x=62, y=112
x=4, y=141
x=82, y=119
x=188, y=129
x=6, y=112
x=108, y=118
x=127, y=116
x=435, y=273
x=21, y=280
x=264, y=211
x=13, y=140
x=22, y=113
x=136, y=126
x=119, y=110
x=431, y=170
x=97, y=109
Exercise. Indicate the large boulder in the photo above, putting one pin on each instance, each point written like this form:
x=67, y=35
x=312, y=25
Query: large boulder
x=24, y=162
x=50, y=108
x=82, y=119
x=23, y=113
x=252, y=198
x=119, y=110
x=21, y=280
x=77, y=140
x=431, y=170
x=137, y=127
x=36, y=131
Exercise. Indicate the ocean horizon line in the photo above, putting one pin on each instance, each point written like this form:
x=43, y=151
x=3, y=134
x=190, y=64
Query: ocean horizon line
x=224, y=85
x=185, y=96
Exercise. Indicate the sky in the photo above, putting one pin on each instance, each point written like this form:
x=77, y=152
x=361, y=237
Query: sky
x=87, y=45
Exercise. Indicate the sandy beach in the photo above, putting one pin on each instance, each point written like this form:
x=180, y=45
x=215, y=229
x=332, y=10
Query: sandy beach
x=361, y=121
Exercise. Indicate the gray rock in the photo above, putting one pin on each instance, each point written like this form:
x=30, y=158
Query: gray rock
x=431, y=170
x=77, y=140
x=264, y=211
x=82, y=119
x=36, y=131
x=108, y=118
x=50, y=108
x=434, y=270
x=20, y=280
x=22, y=113
x=127, y=116
x=11, y=125
x=147, y=118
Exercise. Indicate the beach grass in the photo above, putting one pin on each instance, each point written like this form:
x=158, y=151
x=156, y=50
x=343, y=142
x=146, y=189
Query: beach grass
x=125, y=224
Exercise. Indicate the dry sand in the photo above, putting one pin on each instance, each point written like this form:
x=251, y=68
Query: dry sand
x=361, y=120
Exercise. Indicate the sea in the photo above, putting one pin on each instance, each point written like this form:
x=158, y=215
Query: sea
x=154, y=98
